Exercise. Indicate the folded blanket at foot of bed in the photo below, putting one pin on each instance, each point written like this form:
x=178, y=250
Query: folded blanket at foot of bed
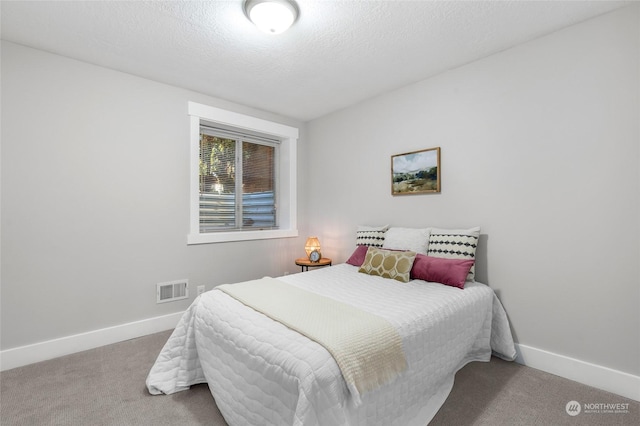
x=366, y=347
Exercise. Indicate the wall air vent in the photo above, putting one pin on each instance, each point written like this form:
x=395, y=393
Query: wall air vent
x=172, y=290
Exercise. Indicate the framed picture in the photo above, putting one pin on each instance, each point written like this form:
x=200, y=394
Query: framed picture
x=416, y=172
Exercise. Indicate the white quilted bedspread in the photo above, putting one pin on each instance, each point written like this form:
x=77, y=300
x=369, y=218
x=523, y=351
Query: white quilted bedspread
x=262, y=373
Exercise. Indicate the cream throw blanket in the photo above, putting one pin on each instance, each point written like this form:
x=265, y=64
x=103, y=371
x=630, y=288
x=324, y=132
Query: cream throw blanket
x=366, y=347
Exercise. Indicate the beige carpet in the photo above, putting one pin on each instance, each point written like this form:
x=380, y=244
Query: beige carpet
x=105, y=386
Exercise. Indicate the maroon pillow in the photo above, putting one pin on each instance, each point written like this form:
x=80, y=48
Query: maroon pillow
x=451, y=272
x=357, y=258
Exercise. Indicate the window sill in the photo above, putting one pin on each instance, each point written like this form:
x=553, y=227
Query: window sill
x=224, y=237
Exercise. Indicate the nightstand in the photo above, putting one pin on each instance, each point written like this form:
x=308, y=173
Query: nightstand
x=303, y=263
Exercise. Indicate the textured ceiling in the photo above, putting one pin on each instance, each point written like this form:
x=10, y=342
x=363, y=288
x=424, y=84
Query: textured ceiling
x=336, y=54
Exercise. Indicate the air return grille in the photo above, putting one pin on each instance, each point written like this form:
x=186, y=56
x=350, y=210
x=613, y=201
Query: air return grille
x=173, y=290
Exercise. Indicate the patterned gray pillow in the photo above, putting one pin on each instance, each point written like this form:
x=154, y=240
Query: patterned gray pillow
x=372, y=236
x=455, y=244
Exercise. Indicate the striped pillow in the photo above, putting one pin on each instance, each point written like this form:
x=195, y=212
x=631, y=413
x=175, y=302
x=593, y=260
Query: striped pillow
x=455, y=244
x=372, y=236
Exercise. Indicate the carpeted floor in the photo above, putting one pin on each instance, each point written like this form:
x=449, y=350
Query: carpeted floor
x=105, y=386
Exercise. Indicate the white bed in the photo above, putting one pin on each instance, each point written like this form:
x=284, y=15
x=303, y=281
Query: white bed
x=262, y=373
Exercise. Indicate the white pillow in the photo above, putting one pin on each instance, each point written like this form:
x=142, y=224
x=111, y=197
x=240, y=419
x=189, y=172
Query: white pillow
x=455, y=244
x=413, y=239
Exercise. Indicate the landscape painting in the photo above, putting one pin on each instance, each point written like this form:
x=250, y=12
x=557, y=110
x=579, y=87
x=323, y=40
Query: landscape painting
x=416, y=172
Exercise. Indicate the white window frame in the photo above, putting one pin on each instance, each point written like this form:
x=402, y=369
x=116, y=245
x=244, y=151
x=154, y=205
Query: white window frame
x=286, y=191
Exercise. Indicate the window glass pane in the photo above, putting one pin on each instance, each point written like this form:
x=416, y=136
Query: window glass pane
x=217, y=183
x=258, y=186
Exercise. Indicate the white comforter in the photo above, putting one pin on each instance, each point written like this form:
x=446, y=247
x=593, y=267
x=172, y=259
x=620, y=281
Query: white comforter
x=262, y=373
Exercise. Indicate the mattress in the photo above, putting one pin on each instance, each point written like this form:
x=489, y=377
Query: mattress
x=262, y=373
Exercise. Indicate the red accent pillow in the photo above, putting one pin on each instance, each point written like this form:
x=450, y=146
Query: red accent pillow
x=357, y=258
x=451, y=272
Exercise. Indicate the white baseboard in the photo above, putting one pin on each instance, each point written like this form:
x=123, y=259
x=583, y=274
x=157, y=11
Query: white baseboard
x=23, y=355
x=600, y=377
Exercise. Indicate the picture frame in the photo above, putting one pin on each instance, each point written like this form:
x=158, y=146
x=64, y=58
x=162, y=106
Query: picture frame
x=416, y=172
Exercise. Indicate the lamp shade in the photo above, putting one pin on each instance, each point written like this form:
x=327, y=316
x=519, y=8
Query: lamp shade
x=312, y=244
x=271, y=16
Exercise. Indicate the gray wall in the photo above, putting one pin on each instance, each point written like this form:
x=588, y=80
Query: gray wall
x=95, y=195
x=540, y=147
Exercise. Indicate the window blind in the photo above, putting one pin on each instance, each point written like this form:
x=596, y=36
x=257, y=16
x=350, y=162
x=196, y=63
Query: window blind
x=238, y=181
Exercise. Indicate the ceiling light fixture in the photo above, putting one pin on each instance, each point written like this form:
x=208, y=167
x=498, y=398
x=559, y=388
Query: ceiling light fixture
x=271, y=16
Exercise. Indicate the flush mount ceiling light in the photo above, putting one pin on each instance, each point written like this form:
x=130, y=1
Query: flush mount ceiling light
x=271, y=16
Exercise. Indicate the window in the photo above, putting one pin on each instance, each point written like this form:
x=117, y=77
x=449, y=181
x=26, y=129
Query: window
x=237, y=181
x=243, y=177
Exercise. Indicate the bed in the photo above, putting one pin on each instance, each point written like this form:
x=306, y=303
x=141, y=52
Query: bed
x=262, y=372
